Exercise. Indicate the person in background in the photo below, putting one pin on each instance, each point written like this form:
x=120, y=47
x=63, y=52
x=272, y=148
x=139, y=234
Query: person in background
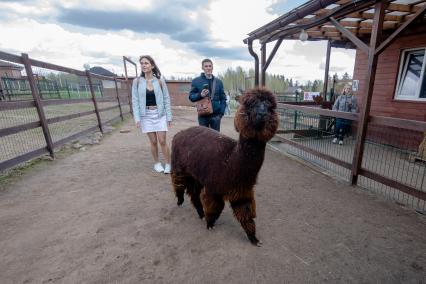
x=217, y=95
x=152, y=110
x=345, y=102
x=228, y=101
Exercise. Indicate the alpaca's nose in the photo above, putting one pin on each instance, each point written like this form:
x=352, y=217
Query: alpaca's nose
x=261, y=112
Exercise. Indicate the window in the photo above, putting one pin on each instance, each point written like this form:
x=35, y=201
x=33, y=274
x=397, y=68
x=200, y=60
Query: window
x=411, y=77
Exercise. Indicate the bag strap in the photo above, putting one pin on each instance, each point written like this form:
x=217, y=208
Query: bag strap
x=213, y=88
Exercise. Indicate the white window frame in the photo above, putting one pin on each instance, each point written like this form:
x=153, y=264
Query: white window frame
x=401, y=74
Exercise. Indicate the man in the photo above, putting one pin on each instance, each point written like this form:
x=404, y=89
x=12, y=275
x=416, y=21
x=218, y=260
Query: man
x=217, y=95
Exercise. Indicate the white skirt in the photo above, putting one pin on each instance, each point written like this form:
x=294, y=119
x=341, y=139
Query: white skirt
x=151, y=122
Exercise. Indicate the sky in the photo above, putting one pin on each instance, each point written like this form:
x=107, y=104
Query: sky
x=177, y=34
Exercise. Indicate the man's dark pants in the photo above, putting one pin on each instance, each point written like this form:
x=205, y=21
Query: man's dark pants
x=212, y=121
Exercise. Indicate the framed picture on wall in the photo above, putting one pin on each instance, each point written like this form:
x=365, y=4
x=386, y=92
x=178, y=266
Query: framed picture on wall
x=355, y=85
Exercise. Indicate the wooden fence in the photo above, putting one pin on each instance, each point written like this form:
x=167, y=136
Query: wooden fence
x=391, y=170
x=120, y=105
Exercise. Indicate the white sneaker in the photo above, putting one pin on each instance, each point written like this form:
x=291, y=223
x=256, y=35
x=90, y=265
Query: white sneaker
x=334, y=140
x=167, y=169
x=340, y=142
x=158, y=168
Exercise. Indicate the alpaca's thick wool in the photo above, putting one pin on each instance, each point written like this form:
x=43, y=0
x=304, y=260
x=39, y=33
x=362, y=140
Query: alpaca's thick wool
x=213, y=168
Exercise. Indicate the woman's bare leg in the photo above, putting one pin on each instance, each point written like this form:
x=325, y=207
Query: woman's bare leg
x=161, y=135
x=154, y=148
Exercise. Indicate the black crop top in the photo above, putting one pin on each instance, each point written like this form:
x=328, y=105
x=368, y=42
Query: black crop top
x=150, y=98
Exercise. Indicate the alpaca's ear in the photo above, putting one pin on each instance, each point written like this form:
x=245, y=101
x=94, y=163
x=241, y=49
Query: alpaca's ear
x=237, y=119
x=235, y=125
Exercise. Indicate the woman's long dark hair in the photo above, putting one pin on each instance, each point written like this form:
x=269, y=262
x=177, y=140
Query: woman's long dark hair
x=155, y=71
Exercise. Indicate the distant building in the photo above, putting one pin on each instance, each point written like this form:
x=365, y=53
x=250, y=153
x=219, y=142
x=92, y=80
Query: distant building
x=179, y=92
x=10, y=70
x=108, y=86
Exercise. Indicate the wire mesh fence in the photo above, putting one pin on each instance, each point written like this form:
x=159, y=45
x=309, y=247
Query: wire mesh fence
x=52, y=105
x=317, y=132
x=17, y=144
x=390, y=153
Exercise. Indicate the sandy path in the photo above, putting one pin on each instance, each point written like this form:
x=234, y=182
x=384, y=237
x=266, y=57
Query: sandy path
x=103, y=216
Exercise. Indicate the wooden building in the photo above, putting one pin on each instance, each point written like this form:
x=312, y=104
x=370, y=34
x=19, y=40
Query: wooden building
x=389, y=66
x=179, y=92
x=390, y=41
x=10, y=70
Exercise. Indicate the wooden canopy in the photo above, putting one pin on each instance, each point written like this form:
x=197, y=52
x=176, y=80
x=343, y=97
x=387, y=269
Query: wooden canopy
x=316, y=18
x=369, y=25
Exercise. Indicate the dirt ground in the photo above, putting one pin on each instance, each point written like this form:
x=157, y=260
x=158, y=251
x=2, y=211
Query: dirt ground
x=103, y=216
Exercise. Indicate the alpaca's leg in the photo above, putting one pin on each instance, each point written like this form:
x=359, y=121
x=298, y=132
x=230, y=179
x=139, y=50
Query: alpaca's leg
x=179, y=185
x=244, y=211
x=194, y=190
x=213, y=206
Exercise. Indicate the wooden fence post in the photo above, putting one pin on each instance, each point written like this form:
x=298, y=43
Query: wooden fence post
x=129, y=85
x=376, y=36
x=92, y=91
x=38, y=103
x=118, y=98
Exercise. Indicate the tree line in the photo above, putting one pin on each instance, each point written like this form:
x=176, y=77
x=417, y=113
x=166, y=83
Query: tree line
x=237, y=79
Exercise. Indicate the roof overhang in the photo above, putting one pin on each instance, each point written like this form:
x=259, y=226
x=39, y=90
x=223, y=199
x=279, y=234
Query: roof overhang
x=354, y=15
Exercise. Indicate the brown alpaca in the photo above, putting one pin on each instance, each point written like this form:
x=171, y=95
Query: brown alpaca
x=213, y=168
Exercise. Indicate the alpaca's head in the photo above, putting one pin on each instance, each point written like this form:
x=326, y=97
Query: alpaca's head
x=256, y=116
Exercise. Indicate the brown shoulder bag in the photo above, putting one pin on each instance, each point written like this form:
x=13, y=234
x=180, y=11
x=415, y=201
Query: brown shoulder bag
x=204, y=106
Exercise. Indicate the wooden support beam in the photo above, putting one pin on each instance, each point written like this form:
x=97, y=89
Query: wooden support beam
x=38, y=103
x=369, y=86
x=271, y=56
x=393, y=36
x=367, y=15
x=327, y=66
x=263, y=63
x=402, y=7
x=359, y=43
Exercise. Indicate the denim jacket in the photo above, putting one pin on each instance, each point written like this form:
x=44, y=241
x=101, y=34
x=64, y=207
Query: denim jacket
x=346, y=103
x=161, y=97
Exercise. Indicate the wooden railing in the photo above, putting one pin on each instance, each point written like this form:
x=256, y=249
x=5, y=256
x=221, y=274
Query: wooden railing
x=411, y=125
x=40, y=105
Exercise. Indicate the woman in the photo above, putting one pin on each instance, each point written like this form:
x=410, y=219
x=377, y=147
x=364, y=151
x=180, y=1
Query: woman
x=152, y=110
x=345, y=102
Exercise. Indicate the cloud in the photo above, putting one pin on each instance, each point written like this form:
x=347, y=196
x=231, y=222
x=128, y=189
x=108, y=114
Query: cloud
x=142, y=22
x=178, y=35
x=237, y=53
x=283, y=6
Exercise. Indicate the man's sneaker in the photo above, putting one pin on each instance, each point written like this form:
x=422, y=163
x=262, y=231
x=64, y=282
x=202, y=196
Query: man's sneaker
x=340, y=142
x=167, y=169
x=334, y=140
x=158, y=168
